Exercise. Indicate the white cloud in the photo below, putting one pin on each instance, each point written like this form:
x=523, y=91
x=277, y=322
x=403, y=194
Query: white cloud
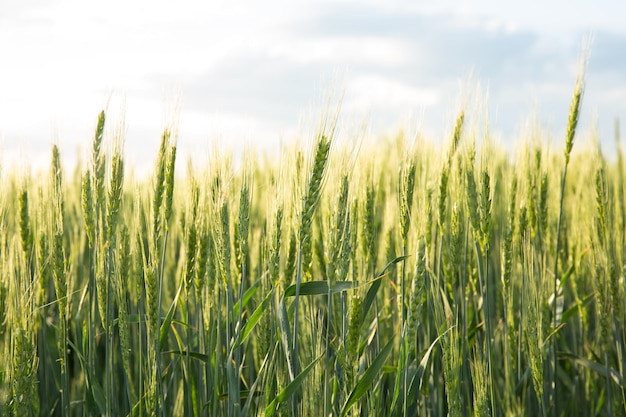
x=249, y=70
x=374, y=91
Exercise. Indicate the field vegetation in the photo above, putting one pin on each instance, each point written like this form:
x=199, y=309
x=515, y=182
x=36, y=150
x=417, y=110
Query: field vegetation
x=400, y=279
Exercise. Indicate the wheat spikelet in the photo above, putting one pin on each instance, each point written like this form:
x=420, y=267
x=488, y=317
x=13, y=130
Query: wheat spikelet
x=274, y=255
x=406, y=200
x=24, y=225
x=480, y=379
x=88, y=208
x=115, y=194
x=311, y=199
x=485, y=210
x=169, y=184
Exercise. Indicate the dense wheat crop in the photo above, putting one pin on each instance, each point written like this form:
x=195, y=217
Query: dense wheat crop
x=402, y=279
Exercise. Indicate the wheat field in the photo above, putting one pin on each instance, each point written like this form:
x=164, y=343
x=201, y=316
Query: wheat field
x=400, y=279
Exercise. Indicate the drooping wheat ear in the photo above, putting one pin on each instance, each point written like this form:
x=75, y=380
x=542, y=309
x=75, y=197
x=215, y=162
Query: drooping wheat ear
x=406, y=200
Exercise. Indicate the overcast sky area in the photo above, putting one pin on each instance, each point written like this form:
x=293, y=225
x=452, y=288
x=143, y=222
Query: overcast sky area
x=255, y=72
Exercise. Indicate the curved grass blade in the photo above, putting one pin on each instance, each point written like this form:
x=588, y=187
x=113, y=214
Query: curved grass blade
x=96, y=402
x=319, y=288
x=284, y=395
x=254, y=319
x=594, y=366
x=168, y=318
x=247, y=296
x=260, y=376
x=194, y=355
x=373, y=290
x=367, y=379
x=418, y=379
x=285, y=336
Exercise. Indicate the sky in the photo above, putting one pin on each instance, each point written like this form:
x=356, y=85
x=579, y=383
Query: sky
x=255, y=74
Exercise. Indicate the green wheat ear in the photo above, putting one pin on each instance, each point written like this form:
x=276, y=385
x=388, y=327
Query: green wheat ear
x=88, y=208
x=574, y=112
x=406, y=200
x=26, y=234
x=311, y=200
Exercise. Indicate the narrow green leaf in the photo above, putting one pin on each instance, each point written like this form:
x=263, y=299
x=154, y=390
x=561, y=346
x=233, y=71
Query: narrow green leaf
x=288, y=391
x=570, y=312
x=254, y=319
x=594, y=366
x=567, y=275
x=399, y=371
x=258, y=380
x=195, y=355
x=285, y=336
x=168, y=318
x=319, y=288
x=96, y=402
x=418, y=379
x=367, y=379
x=247, y=296
x=373, y=290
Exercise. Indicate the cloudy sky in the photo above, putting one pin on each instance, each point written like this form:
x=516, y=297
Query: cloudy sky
x=254, y=72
